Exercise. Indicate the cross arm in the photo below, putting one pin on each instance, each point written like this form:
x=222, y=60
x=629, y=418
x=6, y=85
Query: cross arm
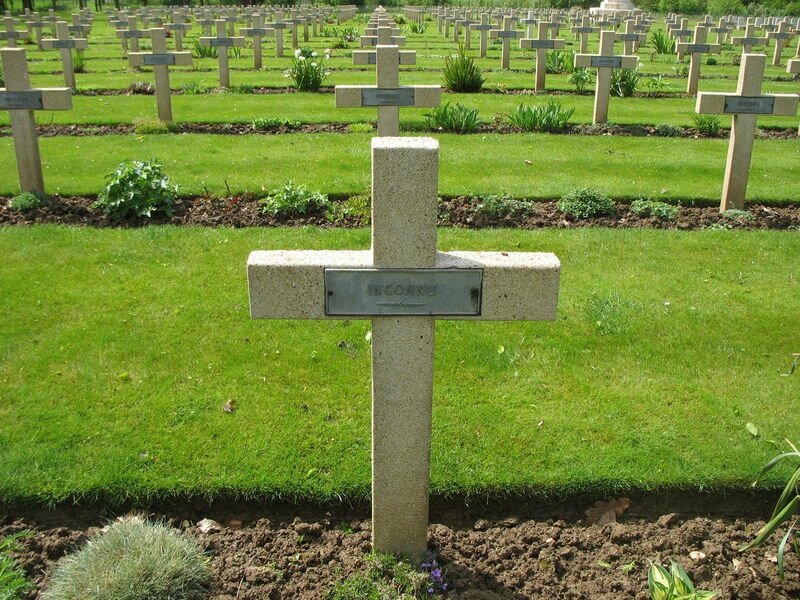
x=36, y=99
x=691, y=48
x=358, y=96
x=515, y=285
x=529, y=43
x=766, y=104
x=369, y=57
x=139, y=59
x=614, y=62
x=55, y=44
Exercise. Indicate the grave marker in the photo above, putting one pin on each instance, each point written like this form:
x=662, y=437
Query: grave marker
x=66, y=44
x=745, y=105
x=222, y=42
x=403, y=284
x=793, y=66
x=630, y=38
x=179, y=27
x=681, y=34
x=131, y=33
x=782, y=37
x=749, y=40
x=161, y=60
x=36, y=25
x=696, y=49
x=542, y=45
x=257, y=31
x=278, y=26
x=506, y=34
x=20, y=99
x=11, y=35
x=722, y=30
x=583, y=31
x=483, y=28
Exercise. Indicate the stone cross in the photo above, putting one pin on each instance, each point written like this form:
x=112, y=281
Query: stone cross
x=11, y=35
x=161, y=60
x=506, y=34
x=206, y=22
x=222, y=42
x=793, y=66
x=782, y=37
x=278, y=26
x=604, y=61
x=530, y=22
x=745, y=105
x=66, y=44
x=388, y=95
x=483, y=28
x=722, y=30
x=35, y=24
x=80, y=27
x=582, y=32
x=696, y=49
x=131, y=33
x=373, y=40
x=630, y=38
x=749, y=40
x=542, y=45
x=681, y=34
x=403, y=285
x=257, y=31
x=20, y=99
x=179, y=27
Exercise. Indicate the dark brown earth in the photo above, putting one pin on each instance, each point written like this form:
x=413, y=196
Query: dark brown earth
x=499, y=557
x=243, y=211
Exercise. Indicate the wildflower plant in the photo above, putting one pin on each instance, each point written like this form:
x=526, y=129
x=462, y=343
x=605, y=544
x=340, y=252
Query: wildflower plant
x=307, y=70
x=137, y=189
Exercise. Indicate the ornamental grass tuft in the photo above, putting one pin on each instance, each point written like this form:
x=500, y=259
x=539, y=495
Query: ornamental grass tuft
x=461, y=74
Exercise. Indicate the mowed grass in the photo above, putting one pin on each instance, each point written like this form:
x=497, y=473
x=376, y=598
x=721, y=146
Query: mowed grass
x=118, y=349
x=542, y=166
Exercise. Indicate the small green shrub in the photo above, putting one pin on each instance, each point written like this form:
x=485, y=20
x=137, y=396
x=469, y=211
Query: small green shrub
x=711, y=61
x=681, y=71
x=586, y=203
x=271, y=123
x=27, y=201
x=361, y=128
x=415, y=27
x=624, y=82
x=387, y=578
x=356, y=208
x=645, y=207
x=674, y=584
x=201, y=51
x=242, y=88
x=461, y=74
x=151, y=125
x=550, y=117
x=307, y=72
x=453, y=119
x=662, y=43
x=498, y=208
x=737, y=216
x=580, y=78
x=192, y=88
x=13, y=584
x=707, y=124
x=133, y=560
x=293, y=200
x=667, y=130
x=560, y=62
x=137, y=189
x=656, y=85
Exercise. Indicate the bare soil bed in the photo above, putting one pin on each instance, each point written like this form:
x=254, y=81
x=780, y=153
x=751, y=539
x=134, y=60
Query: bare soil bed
x=460, y=211
x=511, y=556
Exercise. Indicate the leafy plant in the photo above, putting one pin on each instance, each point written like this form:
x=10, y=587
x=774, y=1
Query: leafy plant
x=388, y=578
x=681, y=71
x=79, y=62
x=361, y=128
x=25, y=202
x=307, y=72
x=201, y=51
x=137, y=189
x=453, y=119
x=580, y=78
x=667, y=130
x=355, y=208
x=645, y=207
x=272, y=123
x=674, y=584
x=133, y=560
x=656, y=85
x=461, y=74
x=293, y=200
x=662, y=43
x=711, y=61
x=737, y=215
x=498, y=208
x=193, y=88
x=241, y=88
x=13, y=584
x=707, y=124
x=624, y=82
x=559, y=62
x=415, y=27
x=550, y=117
x=787, y=508
x=586, y=203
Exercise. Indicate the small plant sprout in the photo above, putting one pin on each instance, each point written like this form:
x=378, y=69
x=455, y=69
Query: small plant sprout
x=293, y=200
x=674, y=584
x=453, y=119
x=13, y=584
x=586, y=203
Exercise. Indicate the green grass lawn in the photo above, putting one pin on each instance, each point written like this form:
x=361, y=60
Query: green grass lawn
x=118, y=349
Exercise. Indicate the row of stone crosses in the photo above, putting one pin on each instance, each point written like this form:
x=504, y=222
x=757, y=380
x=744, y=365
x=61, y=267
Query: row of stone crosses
x=388, y=96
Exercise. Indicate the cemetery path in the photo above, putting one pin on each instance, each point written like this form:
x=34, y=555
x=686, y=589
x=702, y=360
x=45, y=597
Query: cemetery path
x=461, y=211
x=509, y=558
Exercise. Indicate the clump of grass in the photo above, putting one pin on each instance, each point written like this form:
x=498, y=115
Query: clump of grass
x=201, y=51
x=707, y=124
x=361, y=128
x=667, y=130
x=137, y=189
x=149, y=125
x=737, y=215
x=388, y=578
x=13, y=584
x=133, y=560
x=27, y=201
x=608, y=314
x=560, y=62
x=624, y=82
x=79, y=62
x=355, y=208
x=292, y=200
x=550, y=117
x=272, y=123
x=193, y=88
x=656, y=85
x=586, y=203
x=498, y=208
x=461, y=74
x=580, y=78
x=646, y=207
x=662, y=43
x=453, y=119
x=674, y=584
x=242, y=88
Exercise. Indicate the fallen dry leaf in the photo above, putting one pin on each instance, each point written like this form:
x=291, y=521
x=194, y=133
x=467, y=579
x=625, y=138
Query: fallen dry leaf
x=601, y=512
x=229, y=406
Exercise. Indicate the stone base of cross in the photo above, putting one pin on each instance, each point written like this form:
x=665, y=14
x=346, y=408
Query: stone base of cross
x=403, y=284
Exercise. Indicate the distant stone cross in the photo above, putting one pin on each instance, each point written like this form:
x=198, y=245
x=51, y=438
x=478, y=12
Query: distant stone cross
x=696, y=49
x=222, y=42
x=179, y=27
x=542, y=45
x=506, y=34
x=20, y=99
x=604, y=61
x=11, y=35
x=278, y=26
x=388, y=95
x=403, y=284
x=782, y=37
x=745, y=105
x=630, y=38
x=483, y=27
x=66, y=45
x=131, y=33
x=749, y=40
x=35, y=24
x=583, y=31
x=257, y=31
x=722, y=30
x=682, y=34
x=793, y=66
x=385, y=37
x=161, y=60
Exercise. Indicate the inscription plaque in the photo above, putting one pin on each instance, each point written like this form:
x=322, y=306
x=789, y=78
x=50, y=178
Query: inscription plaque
x=256, y=32
x=63, y=44
x=133, y=34
x=506, y=34
x=26, y=100
x=628, y=37
x=221, y=42
x=694, y=48
x=749, y=105
x=158, y=59
x=278, y=25
x=387, y=97
x=614, y=62
x=430, y=292
x=541, y=44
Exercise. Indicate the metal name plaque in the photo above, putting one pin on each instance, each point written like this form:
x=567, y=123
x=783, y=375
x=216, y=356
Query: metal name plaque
x=506, y=34
x=133, y=34
x=543, y=44
x=694, y=48
x=628, y=37
x=278, y=26
x=63, y=44
x=256, y=32
x=387, y=97
x=372, y=59
x=221, y=42
x=27, y=100
x=613, y=62
x=747, y=105
x=431, y=292
x=158, y=59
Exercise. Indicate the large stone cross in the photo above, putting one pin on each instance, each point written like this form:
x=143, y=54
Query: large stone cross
x=161, y=60
x=66, y=45
x=222, y=42
x=542, y=45
x=604, y=61
x=696, y=49
x=403, y=284
x=20, y=99
x=745, y=105
x=506, y=34
x=388, y=95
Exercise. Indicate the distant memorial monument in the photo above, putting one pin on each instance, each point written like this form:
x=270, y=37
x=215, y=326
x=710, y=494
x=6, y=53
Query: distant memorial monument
x=613, y=6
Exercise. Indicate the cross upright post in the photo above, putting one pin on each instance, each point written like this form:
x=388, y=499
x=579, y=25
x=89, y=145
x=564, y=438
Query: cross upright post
x=11, y=35
x=506, y=34
x=483, y=27
x=402, y=284
x=681, y=34
x=782, y=37
x=542, y=45
x=66, y=44
x=793, y=66
x=722, y=30
x=278, y=26
x=583, y=31
x=35, y=24
x=179, y=27
x=222, y=42
x=745, y=105
x=131, y=33
x=20, y=99
x=696, y=49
